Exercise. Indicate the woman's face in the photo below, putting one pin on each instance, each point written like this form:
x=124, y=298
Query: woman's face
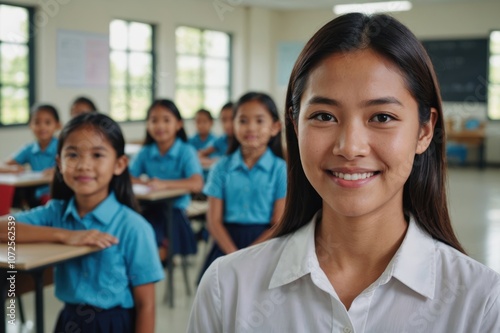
x=358, y=132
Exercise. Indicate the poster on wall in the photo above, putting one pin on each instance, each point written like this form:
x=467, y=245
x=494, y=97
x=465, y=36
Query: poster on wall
x=82, y=59
x=288, y=53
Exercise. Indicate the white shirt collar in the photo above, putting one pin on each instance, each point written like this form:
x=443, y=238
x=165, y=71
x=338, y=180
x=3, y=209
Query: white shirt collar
x=414, y=264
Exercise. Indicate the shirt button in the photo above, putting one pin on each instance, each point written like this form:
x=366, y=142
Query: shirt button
x=347, y=330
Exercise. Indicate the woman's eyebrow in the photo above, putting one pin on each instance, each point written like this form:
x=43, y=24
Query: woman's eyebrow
x=323, y=100
x=382, y=101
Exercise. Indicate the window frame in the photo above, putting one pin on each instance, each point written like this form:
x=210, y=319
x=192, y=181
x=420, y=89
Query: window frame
x=215, y=113
x=31, y=45
x=128, y=51
x=490, y=54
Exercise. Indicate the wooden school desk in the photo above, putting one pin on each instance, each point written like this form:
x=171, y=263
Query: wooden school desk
x=25, y=179
x=470, y=137
x=33, y=259
x=167, y=197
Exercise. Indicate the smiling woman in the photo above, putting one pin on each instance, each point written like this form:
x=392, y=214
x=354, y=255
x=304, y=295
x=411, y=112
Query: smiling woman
x=366, y=230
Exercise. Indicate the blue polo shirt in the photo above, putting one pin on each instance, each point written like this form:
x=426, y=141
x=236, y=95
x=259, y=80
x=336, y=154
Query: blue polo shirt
x=248, y=194
x=179, y=162
x=38, y=159
x=103, y=279
x=221, y=144
x=198, y=143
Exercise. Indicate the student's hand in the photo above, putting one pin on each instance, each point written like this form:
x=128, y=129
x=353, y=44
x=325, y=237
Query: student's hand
x=157, y=184
x=49, y=172
x=11, y=168
x=89, y=237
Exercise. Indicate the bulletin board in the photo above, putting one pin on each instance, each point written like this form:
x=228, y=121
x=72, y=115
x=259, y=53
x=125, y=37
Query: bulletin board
x=82, y=59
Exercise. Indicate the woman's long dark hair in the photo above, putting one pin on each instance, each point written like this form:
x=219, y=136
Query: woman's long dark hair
x=121, y=185
x=424, y=194
x=170, y=106
x=268, y=103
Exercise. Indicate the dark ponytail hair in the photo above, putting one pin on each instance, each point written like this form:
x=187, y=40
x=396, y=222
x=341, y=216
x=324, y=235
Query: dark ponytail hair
x=121, y=185
x=170, y=106
x=268, y=103
x=424, y=193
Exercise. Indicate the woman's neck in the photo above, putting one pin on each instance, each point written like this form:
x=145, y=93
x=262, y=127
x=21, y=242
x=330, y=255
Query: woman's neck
x=367, y=241
x=203, y=137
x=252, y=155
x=164, y=146
x=354, y=252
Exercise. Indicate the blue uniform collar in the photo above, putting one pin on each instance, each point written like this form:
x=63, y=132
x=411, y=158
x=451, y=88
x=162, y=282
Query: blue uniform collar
x=265, y=162
x=104, y=212
x=173, y=152
x=51, y=148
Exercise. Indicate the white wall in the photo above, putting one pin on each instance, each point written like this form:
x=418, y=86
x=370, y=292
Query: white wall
x=95, y=16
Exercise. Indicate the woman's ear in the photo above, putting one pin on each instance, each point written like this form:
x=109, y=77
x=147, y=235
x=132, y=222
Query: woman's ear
x=426, y=133
x=276, y=128
x=120, y=165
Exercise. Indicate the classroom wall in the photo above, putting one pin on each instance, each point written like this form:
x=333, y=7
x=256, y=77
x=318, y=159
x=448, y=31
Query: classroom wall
x=428, y=21
x=94, y=16
x=256, y=33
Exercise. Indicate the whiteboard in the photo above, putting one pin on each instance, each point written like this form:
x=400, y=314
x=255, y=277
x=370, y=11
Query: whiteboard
x=82, y=59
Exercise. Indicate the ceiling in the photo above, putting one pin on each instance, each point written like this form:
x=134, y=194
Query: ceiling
x=316, y=4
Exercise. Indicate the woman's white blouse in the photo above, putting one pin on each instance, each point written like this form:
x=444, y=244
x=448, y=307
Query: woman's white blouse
x=278, y=286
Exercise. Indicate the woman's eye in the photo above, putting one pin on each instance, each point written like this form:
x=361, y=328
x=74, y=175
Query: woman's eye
x=382, y=118
x=324, y=117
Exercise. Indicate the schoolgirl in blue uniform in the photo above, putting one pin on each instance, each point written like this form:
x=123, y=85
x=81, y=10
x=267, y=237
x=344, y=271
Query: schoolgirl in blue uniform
x=203, y=138
x=220, y=145
x=39, y=155
x=111, y=290
x=169, y=162
x=246, y=189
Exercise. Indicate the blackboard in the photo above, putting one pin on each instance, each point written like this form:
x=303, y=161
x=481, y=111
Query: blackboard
x=461, y=66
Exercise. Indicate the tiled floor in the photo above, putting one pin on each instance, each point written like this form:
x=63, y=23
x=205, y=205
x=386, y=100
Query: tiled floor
x=474, y=198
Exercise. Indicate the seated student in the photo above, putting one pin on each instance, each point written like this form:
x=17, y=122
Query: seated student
x=39, y=155
x=220, y=145
x=82, y=105
x=203, y=138
x=111, y=290
x=168, y=162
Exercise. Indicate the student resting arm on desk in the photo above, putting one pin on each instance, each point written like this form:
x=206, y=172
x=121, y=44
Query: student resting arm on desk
x=93, y=204
x=169, y=162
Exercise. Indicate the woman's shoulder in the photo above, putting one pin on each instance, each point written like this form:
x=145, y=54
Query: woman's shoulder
x=455, y=263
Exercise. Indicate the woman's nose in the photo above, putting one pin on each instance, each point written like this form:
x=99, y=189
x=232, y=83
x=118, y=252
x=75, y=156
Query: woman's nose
x=351, y=141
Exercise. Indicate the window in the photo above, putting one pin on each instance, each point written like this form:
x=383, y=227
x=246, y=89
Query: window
x=494, y=77
x=203, y=70
x=132, y=68
x=16, y=64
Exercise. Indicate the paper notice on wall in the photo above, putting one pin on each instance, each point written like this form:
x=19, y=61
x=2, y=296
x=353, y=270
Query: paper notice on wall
x=82, y=59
